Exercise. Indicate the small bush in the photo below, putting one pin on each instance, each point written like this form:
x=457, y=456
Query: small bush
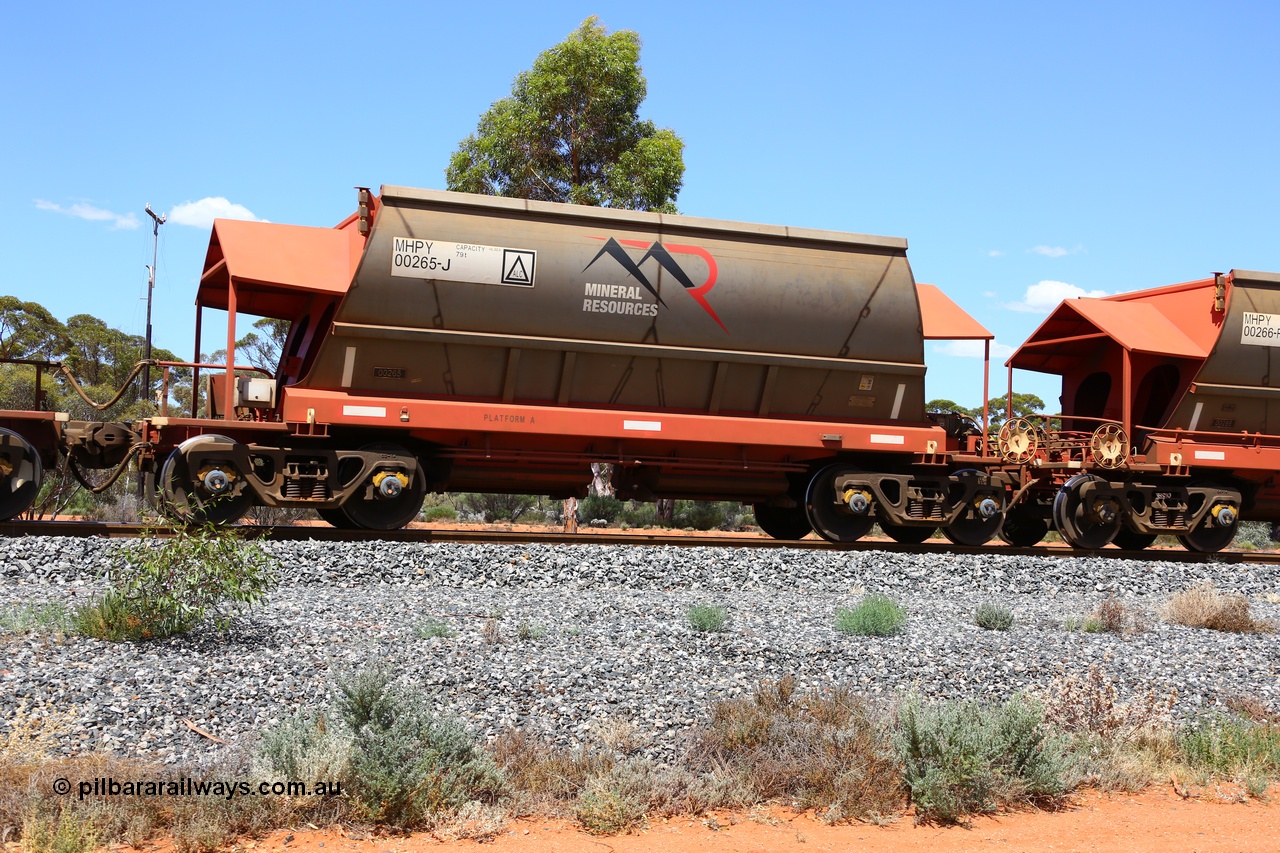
x=409, y=767
x=1234, y=749
x=527, y=630
x=1253, y=536
x=497, y=507
x=993, y=617
x=1086, y=624
x=31, y=618
x=430, y=628
x=1111, y=617
x=963, y=758
x=67, y=831
x=1090, y=704
x=1202, y=606
x=440, y=512
x=600, y=506
x=875, y=616
x=306, y=747
x=169, y=586
x=604, y=811
x=709, y=515
x=823, y=750
x=708, y=617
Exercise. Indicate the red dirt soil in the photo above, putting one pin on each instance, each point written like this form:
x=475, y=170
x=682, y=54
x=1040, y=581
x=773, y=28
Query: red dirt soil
x=1155, y=821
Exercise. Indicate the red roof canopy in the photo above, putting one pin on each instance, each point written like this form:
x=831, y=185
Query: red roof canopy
x=944, y=320
x=271, y=265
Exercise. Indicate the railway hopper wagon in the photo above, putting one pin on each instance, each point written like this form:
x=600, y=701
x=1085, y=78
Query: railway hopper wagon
x=1170, y=417
x=442, y=341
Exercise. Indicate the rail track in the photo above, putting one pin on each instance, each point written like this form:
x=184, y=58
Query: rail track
x=114, y=530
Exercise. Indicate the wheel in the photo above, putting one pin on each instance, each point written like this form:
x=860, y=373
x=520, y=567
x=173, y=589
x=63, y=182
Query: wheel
x=782, y=523
x=973, y=531
x=1216, y=531
x=972, y=528
x=20, y=474
x=1208, y=540
x=381, y=513
x=1131, y=540
x=1021, y=529
x=187, y=498
x=835, y=522
x=337, y=518
x=906, y=535
x=1080, y=525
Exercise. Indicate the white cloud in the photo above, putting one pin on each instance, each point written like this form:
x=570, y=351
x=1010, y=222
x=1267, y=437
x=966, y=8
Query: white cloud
x=1049, y=251
x=995, y=253
x=80, y=210
x=1043, y=297
x=200, y=214
x=990, y=294
x=972, y=349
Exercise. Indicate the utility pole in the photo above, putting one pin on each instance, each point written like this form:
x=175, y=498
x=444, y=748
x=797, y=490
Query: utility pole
x=151, y=286
x=158, y=219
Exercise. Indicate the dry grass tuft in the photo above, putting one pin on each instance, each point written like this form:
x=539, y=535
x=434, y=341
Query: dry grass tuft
x=824, y=750
x=1202, y=606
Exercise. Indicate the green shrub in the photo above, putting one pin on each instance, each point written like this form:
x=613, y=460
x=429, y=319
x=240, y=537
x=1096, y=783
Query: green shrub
x=1087, y=624
x=167, y=586
x=1254, y=534
x=964, y=758
x=993, y=617
x=600, y=506
x=1235, y=749
x=604, y=811
x=68, y=831
x=708, y=617
x=441, y=512
x=307, y=747
x=409, y=767
x=875, y=616
x=430, y=628
x=29, y=618
x=497, y=507
x=709, y=515
x=639, y=514
x=527, y=630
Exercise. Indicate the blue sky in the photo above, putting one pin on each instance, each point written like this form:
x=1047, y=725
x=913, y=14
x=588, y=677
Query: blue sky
x=1027, y=151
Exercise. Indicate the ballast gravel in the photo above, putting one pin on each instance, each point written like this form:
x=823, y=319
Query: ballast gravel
x=593, y=640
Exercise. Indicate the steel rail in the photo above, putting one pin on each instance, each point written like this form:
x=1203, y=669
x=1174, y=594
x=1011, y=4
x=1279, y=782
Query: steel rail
x=709, y=540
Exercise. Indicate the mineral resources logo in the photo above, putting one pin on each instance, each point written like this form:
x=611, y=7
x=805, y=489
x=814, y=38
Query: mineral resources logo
x=621, y=299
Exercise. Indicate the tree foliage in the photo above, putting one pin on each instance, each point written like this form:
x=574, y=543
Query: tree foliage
x=570, y=132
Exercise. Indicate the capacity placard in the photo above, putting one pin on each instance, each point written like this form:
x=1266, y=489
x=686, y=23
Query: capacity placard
x=1260, y=330
x=415, y=258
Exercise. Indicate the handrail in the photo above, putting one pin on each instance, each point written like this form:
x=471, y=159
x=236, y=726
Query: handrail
x=164, y=379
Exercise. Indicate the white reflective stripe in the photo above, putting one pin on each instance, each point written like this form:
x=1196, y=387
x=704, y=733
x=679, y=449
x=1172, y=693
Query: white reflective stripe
x=348, y=367
x=1210, y=454
x=365, y=411
x=888, y=439
x=643, y=426
x=1195, y=416
x=897, y=403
